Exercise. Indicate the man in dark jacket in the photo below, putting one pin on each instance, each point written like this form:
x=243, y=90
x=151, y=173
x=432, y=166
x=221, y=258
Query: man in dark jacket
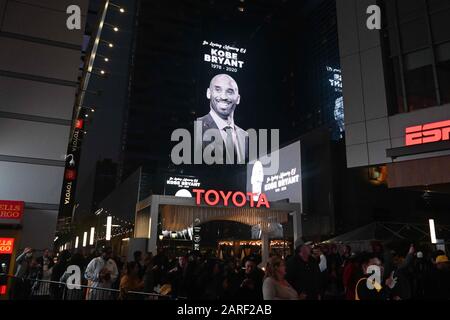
x=251, y=282
x=182, y=276
x=303, y=272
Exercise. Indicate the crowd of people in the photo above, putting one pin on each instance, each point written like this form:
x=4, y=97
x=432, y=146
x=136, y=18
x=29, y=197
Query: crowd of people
x=313, y=272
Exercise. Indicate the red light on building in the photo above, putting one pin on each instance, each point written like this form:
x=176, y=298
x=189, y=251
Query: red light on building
x=70, y=174
x=79, y=124
x=2, y=290
x=238, y=199
x=427, y=133
x=6, y=245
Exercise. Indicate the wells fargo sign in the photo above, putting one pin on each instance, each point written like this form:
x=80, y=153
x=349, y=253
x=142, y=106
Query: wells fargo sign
x=6, y=245
x=11, y=211
x=427, y=133
x=226, y=198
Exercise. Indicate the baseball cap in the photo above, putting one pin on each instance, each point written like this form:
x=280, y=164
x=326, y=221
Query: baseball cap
x=441, y=259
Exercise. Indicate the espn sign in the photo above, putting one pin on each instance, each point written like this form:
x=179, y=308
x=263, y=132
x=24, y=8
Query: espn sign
x=427, y=133
x=11, y=211
x=6, y=245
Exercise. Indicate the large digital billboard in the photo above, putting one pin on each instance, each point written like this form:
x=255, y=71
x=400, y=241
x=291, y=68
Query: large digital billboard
x=285, y=183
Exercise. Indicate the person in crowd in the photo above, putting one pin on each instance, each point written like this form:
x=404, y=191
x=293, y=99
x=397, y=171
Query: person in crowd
x=439, y=286
x=422, y=269
x=346, y=255
x=130, y=281
x=78, y=260
x=39, y=290
x=211, y=280
x=149, y=274
x=401, y=271
x=275, y=286
x=351, y=274
x=376, y=291
x=385, y=255
x=20, y=289
x=334, y=265
x=137, y=255
x=161, y=265
x=56, y=290
x=23, y=262
x=232, y=278
x=121, y=264
x=303, y=272
x=322, y=262
x=101, y=273
x=182, y=280
x=46, y=262
x=251, y=281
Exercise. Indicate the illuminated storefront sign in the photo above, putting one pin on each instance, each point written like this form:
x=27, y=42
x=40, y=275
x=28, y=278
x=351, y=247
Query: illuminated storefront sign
x=428, y=133
x=238, y=199
x=6, y=245
x=11, y=211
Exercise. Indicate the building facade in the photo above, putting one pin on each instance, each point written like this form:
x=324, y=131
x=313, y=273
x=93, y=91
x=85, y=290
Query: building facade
x=39, y=70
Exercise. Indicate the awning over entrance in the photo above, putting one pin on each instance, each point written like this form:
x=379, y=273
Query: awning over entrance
x=177, y=214
x=177, y=218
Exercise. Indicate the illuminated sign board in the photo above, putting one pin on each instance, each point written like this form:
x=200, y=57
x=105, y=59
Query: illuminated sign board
x=238, y=199
x=6, y=245
x=285, y=183
x=335, y=78
x=180, y=186
x=427, y=133
x=223, y=57
x=11, y=211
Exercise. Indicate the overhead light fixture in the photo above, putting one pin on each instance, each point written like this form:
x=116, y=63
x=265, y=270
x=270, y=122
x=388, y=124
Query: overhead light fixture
x=91, y=238
x=108, y=228
x=116, y=29
x=110, y=45
x=432, y=231
x=56, y=238
x=98, y=211
x=86, y=115
x=84, y=239
x=106, y=59
x=122, y=10
x=102, y=71
x=92, y=110
x=76, y=242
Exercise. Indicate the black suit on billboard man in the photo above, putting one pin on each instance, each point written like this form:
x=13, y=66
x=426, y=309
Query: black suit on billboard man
x=223, y=94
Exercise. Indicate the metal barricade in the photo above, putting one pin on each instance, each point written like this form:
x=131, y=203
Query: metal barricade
x=38, y=289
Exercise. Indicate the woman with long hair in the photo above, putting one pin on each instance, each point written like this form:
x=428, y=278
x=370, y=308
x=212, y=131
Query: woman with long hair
x=275, y=286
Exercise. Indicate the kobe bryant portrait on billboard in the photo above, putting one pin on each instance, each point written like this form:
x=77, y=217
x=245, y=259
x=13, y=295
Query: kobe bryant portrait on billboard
x=223, y=96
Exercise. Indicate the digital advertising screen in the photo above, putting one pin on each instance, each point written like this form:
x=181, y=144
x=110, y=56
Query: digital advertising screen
x=285, y=183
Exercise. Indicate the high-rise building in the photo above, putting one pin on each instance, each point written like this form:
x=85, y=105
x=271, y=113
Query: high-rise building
x=105, y=181
x=166, y=85
x=396, y=101
x=319, y=93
